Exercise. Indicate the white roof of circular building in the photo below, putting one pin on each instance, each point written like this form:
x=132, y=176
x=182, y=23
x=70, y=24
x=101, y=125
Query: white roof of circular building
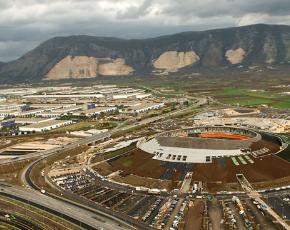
x=185, y=155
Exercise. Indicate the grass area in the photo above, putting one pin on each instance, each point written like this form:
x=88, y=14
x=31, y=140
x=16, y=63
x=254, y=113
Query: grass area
x=283, y=104
x=285, y=154
x=86, y=125
x=247, y=101
x=120, y=151
x=106, y=125
x=123, y=132
x=127, y=163
x=246, y=97
x=231, y=91
x=286, y=138
x=83, y=125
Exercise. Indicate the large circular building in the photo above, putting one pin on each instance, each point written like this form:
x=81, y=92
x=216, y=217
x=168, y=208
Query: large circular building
x=202, y=144
x=213, y=155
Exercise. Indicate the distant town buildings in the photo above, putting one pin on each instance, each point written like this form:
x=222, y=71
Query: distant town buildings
x=45, y=108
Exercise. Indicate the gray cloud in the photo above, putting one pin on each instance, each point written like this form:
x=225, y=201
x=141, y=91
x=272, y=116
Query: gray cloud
x=235, y=8
x=26, y=23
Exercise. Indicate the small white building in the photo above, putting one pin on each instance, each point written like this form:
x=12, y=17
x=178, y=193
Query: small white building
x=88, y=133
x=2, y=99
x=125, y=95
x=145, y=107
x=143, y=95
x=45, y=126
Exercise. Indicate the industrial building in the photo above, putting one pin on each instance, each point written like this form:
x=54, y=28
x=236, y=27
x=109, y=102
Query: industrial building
x=95, y=111
x=145, y=107
x=45, y=126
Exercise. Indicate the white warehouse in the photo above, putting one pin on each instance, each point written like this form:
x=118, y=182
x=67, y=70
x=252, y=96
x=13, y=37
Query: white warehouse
x=45, y=126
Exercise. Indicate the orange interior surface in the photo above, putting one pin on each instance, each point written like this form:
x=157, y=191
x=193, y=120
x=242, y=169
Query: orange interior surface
x=224, y=135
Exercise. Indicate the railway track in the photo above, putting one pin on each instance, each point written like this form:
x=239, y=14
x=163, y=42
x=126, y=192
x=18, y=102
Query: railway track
x=52, y=211
x=18, y=222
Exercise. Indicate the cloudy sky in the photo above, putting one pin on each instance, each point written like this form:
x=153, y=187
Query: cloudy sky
x=26, y=23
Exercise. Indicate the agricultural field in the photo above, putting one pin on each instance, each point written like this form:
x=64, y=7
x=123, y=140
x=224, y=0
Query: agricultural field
x=85, y=125
x=246, y=97
x=259, y=90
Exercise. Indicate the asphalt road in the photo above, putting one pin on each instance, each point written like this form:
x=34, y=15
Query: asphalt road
x=85, y=216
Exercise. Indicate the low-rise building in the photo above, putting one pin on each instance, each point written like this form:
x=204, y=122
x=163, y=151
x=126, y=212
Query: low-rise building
x=11, y=106
x=45, y=126
x=143, y=95
x=34, y=120
x=88, y=133
x=94, y=111
x=64, y=96
x=145, y=107
x=2, y=99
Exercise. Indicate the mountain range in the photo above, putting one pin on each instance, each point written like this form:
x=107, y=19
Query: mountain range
x=78, y=57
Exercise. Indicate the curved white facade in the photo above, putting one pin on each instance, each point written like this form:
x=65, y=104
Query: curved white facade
x=186, y=155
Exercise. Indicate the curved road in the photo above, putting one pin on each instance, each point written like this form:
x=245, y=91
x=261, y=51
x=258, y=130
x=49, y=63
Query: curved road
x=67, y=211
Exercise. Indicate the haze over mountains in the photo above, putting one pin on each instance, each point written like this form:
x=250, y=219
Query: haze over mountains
x=77, y=57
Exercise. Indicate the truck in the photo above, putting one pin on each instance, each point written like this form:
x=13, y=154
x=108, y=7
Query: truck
x=154, y=191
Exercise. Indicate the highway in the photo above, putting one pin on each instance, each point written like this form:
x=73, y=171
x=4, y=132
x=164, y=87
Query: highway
x=85, y=218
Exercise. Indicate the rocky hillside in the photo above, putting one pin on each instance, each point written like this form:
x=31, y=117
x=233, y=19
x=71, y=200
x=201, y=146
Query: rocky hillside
x=89, y=57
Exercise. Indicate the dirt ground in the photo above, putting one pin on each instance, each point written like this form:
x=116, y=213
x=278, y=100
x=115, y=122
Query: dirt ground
x=215, y=214
x=139, y=163
x=194, y=216
x=218, y=175
x=103, y=168
x=35, y=137
x=10, y=173
x=266, y=168
x=145, y=182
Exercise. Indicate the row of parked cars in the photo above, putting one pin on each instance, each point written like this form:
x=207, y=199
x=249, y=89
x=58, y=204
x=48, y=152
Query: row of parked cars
x=179, y=216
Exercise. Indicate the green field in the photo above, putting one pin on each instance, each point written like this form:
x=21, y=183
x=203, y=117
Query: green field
x=83, y=125
x=127, y=163
x=246, y=97
x=285, y=154
x=119, y=151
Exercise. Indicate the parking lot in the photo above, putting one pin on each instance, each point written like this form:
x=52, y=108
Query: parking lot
x=140, y=207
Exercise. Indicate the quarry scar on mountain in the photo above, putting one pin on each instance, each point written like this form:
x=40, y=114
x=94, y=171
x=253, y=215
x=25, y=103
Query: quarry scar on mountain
x=87, y=67
x=235, y=56
x=173, y=60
